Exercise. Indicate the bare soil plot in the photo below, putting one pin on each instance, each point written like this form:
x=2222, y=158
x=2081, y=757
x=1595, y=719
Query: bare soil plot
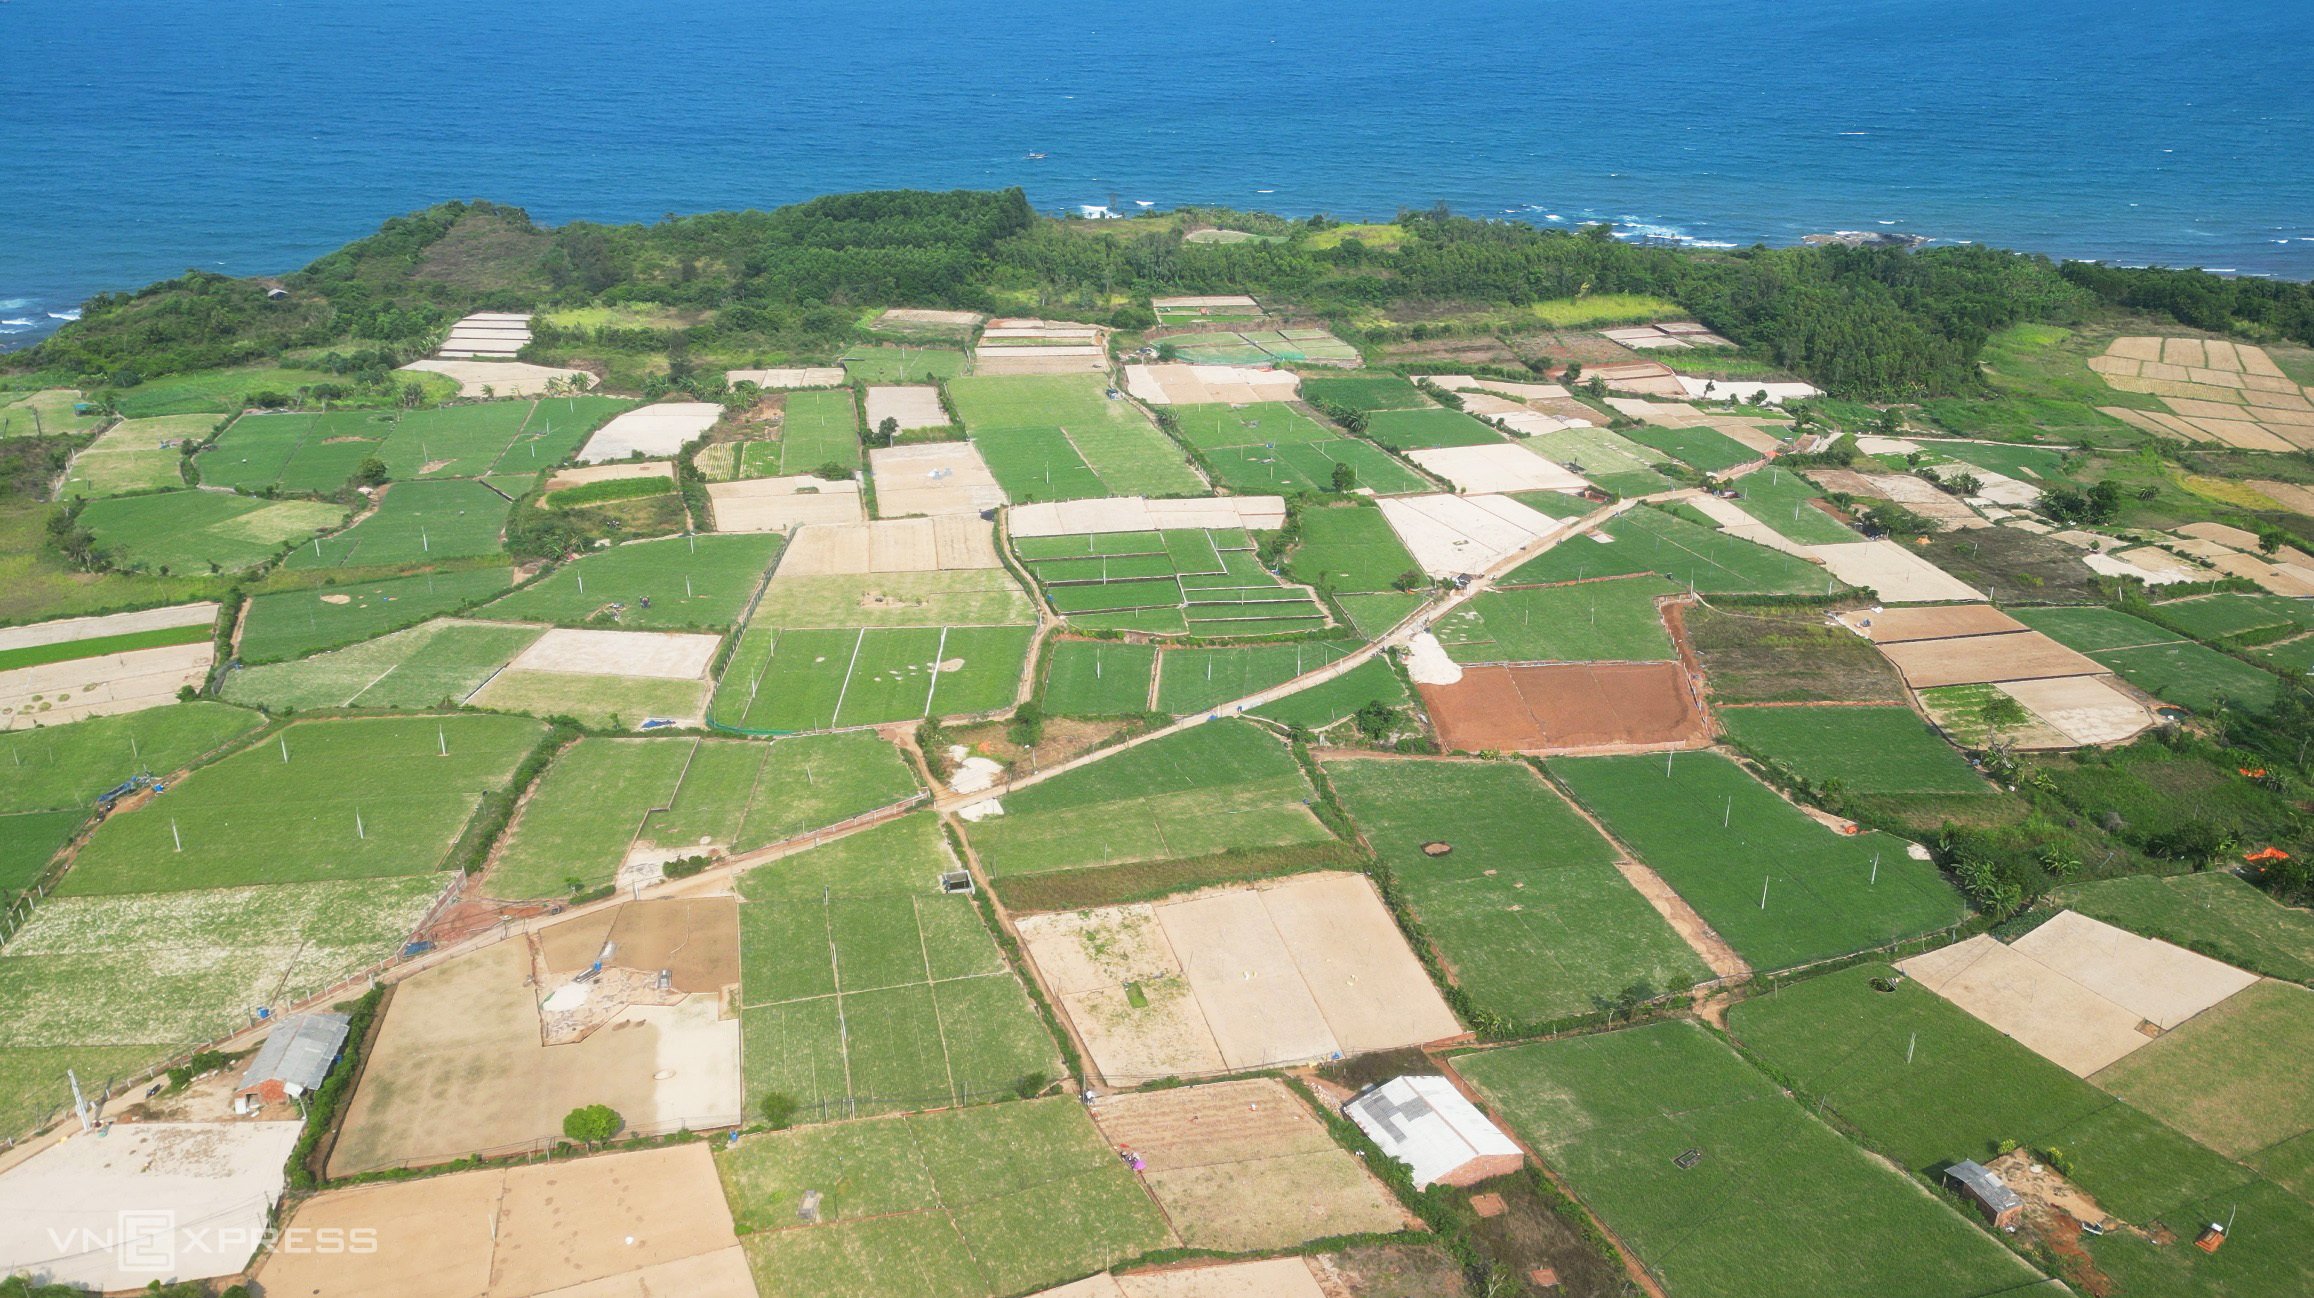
x=1898, y=625
x=1978, y=659
x=2231, y=393
x=1897, y=574
x=2159, y=982
x=1193, y=385
x=460, y=1066
x=1244, y=1166
x=1277, y=1277
x=781, y=380
x=1143, y=514
x=933, y=478
x=212, y=1183
x=658, y=430
x=911, y=405
x=783, y=504
x=2084, y=709
x=102, y=686
x=890, y=546
x=1448, y=535
x=661, y=655
x=695, y=939
x=1504, y=467
x=1307, y=968
x=616, y=1226
x=504, y=378
x=1644, y=378
x=581, y=475
x=1569, y=708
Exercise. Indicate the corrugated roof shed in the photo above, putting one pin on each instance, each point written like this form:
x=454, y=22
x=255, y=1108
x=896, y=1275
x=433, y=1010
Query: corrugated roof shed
x=1425, y=1123
x=1982, y=1185
x=298, y=1052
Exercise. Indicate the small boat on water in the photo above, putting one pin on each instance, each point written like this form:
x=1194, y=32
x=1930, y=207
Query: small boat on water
x=1036, y=157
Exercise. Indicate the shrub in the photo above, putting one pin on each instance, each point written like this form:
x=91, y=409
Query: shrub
x=592, y=1124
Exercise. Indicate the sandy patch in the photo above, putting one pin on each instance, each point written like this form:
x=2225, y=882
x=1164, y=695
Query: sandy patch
x=2056, y=1018
x=2085, y=709
x=504, y=378
x=1503, y=467
x=579, y=477
x=911, y=406
x=663, y=655
x=659, y=430
x=67, y=629
x=1449, y=535
x=1747, y=391
x=890, y=546
x=2158, y=982
x=1897, y=574
x=1897, y=625
x=934, y=478
x=1736, y=523
x=1972, y=660
x=54, y=693
x=1141, y=514
x=783, y=504
x=1190, y=385
x=1428, y=663
x=809, y=376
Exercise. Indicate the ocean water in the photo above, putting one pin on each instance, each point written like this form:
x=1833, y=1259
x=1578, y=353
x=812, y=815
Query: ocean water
x=141, y=137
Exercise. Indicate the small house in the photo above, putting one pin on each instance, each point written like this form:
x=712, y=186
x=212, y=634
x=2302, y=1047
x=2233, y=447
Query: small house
x=1425, y=1123
x=1992, y=1196
x=297, y=1054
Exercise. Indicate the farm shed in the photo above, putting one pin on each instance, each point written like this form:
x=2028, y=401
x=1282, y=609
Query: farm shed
x=296, y=1055
x=1988, y=1192
x=1425, y=1123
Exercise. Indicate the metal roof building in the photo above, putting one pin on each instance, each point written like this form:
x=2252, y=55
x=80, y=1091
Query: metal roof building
x=1993, y=1197
x=296, y=1055
x=1426, y=1124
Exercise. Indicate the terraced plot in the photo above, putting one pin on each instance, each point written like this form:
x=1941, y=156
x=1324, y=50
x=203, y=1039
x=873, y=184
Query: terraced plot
x=188, y=531
x=677, y=583
x=1271, y=448
x=289, y=624
x=1206, y=583
x=1061, y=437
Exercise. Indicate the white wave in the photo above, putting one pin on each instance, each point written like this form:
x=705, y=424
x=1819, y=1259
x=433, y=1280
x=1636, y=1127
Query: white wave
x=22, y=324
x=73, y=314
x=14, y=303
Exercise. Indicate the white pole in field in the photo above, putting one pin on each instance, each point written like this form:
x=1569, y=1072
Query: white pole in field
x=135, y=756
x=1729, y=813
x=1876, y=868
x=174, y=836
x=284, y=749
x=807, y=775
x=582, y=580
x=359, y=830
x=425, y=543
x=686, y=587
x=1764, y=891
x=441, y=739
x=694, y=542
x=1909, y=1047
x=1667, y=762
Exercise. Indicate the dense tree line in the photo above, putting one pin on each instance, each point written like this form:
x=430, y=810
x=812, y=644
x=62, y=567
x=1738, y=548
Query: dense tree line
x=2262, y=308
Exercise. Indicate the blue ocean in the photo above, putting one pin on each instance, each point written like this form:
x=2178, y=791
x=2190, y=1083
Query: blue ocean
x=141, y=137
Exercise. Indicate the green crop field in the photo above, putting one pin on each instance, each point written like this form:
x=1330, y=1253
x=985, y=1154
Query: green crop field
x=2212, y=912
x=1704, y=448
x=804, y=678
x=1098, y=678
x=973, y=597
x=1648, y=539
x=61, y=651
x=1349, y=548
x=293, y=623
x=1410, y=430
x=131, y=456
x=902, y=364
x=1608, y=459
x=1868, y=749
x=868, y=990
x=601, y=702
x=1330, y=702
x=1193, y=680
x=1926, y=1083
x=2165, y=665
x=819, y=428
x=1365, y=392
x=187, y=531
x=2233, y=1077
x=557, y=427
x=1209, y=583
x=997, y=1200
x=228, y=391
x=317, y=452
x=1372, y=615
x=1604, y=621
x=2024, y=463
x=1527, y=907
x=55, y=768
x=415, y=522
x=320, y=800
x=1614, y=1113
x=1721, y=838
x=28, y=841
x=1273, y=448
x=1216, y=788
x=2215, y=618
x=1060, y=437
x=693, y=583
x=419, y=667
x=1781, y=500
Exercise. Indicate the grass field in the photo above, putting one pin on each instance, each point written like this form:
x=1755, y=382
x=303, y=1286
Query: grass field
x=1964, y=1089
x=557, y=427
x=903, y=364
x=1207, y=583
x=868, y=990
x=819, y=428
x=1216, y=788
x=1717, y=835
x=1780, y=500
x=599, y=702
x=821, y=678
x=1367, y=392
x=1593, y=309
x=1372, y=615
x=55, y=768
x=354, y=799
x=189, y=531
x=1409, y=430
x=2218, y=618
x=2233, y=1077
x=1867, y=749
x=1527, y=908
x=1703, y=448
x=1060, y=437
x=693, y=583
x=28, y=841
x=130, y=456
x=1192, y=680
x=2213, y=912
x=1608, y=459
x=1098, y=678
x=293, y=623
x=995, y=1200
x=1777, y=1202
x=49, y=411
x=40, y=655
x=1349, y=548
x=227, y=391
x=1272, y=448
x=975, y=597
x=1605, y=621
x=418, y=667
x=2163, y=664
x=416, y=522
x=1332, y=702
x=602, y=797
x=1648, y=539
x=317, y=452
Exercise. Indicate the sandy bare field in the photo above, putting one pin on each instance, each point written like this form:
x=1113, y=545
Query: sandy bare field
x=1899, y=575
x=581, y=476
x=2154, y=980
x=947, y=544
x=1977, y=659
x=1568, y=708
x=783, y=504
x=911, y=405
x=66, y=629
x=657, y=430
x=1175, y=384
x=2085, y=709
x=54, y=693
x=933, y=479
x=1897, y=625
x=662, y=655
x=1456, y=534
x=809, y=376
x=1141, y=514
x=504, y=378
x=1502, y=467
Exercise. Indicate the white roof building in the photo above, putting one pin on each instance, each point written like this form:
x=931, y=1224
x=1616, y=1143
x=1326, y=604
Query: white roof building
x=1425, y=1123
